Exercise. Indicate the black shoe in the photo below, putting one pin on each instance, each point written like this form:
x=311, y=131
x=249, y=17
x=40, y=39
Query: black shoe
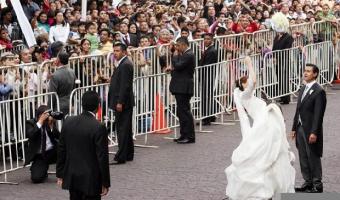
x=284, y=102
x=315, y=190
x=186, y=141
x=117, y=163
x=178, y=139
x=304, y=188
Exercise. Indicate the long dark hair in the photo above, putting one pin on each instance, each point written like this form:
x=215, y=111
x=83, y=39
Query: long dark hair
x=240, y=81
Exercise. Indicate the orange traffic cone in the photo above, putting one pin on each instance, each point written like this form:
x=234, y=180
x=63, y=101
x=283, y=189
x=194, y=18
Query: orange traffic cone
x=158, y=120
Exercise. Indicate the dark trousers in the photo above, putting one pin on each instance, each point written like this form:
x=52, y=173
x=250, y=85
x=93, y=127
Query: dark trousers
x=124, y=133
x=76, y=195
x=41, y=164
x=310, y=162
x=282, y=73
x=186, y=120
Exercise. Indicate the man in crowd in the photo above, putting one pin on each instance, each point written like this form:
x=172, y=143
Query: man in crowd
x=83, y=156
x=207, y=79
x=182, y=86
x=121, y=100
x=62, y=82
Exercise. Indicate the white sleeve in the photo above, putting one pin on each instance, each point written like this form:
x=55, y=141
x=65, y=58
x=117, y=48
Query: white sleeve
x=51, y=35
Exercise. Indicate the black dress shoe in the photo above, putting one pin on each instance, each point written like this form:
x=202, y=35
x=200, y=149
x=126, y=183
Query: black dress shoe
x=117, y=163
x=186, y=141
x=304, y=188
x=178, y=139
x=315, y=190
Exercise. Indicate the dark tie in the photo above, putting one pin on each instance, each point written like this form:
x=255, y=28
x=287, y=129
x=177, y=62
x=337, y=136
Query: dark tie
x=126, y=41
x=43, y=140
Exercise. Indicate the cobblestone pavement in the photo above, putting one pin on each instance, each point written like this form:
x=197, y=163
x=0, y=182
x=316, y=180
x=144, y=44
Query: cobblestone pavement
x=185, y=172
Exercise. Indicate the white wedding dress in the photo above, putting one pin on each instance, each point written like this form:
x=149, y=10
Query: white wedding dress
x=261, y=164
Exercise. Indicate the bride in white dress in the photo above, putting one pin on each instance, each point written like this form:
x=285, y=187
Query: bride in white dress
x=261, y=164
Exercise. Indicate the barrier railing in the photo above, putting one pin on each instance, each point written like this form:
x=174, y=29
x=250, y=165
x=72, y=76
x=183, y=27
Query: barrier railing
x=23, y=79
x=322, y=55
x=14, y=114
x=281, y=73
x=104, y=114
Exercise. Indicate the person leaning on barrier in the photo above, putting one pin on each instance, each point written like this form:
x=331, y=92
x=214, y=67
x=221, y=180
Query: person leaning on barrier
x=62, y=82
x=83, y=156
x=42, y=136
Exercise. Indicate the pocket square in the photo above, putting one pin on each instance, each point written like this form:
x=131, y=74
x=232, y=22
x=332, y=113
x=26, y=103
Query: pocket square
x=311, y=91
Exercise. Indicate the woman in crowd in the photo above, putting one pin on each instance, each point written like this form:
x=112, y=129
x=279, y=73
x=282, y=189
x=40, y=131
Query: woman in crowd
x=42, y=22
x=60, y=31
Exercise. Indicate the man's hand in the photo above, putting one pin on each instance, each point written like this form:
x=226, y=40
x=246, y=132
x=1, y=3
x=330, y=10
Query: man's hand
x=119, y=107
x=105, y=190
x=59, y=182
x=293, y=135
x=312, y=138
x=43, y=118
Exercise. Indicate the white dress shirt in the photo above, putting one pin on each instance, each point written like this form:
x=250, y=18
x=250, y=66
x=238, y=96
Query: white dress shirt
x=49, y=144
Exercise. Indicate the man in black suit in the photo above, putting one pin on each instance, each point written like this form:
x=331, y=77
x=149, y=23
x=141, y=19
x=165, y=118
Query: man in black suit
x=121, y=100
x=83, y=157
x=282, y=41
x=42, y=137
x=307, y=129
x=207, y=78
x=182, y=86
x=130, y=40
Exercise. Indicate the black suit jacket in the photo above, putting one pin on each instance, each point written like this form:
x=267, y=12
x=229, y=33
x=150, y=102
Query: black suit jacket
x=311, y=111
x=182, y=81
x=133, y=40
x=284, y=42
x=209, y=56
x=83, y=157
x=33, y=133
x=121, y=90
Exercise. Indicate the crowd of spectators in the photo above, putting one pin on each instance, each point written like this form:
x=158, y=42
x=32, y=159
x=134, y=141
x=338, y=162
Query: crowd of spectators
x=141, y=23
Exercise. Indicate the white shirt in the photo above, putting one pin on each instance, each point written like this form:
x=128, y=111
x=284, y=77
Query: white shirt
x=59, y=33
x=119, y=61
x=49, y=144
x=308, y=87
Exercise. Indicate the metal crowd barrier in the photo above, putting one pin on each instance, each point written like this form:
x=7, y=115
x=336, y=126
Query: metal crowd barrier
x=281, y=73
x=89, y=70
x=13, y=140
x=104, y=114
x=23, y=79
x=323, y=55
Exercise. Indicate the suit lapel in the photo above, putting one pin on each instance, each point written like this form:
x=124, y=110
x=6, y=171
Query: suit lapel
x=313, y=88
x=300, y=95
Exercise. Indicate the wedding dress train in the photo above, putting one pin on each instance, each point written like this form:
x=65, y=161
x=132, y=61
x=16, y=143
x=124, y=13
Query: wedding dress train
x=261, y=164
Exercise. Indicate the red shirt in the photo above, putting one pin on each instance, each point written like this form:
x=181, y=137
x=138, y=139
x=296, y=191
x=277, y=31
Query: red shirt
x=252, y=27
x=6, y=43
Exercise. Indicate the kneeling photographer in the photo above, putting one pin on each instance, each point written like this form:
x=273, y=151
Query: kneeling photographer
x=43, y=137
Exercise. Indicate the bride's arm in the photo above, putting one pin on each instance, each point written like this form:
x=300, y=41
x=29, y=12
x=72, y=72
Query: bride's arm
x=248, y=91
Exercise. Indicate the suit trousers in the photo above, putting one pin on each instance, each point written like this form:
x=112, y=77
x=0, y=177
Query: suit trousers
x=310, y=162
x=41, y=164
x=186, y=120
x=76, y=195
x=124, y=133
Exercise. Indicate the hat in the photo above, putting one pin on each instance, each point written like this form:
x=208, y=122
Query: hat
x=90, y=101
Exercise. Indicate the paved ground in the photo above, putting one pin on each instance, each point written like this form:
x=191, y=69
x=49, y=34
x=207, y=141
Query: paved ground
x=194, y=171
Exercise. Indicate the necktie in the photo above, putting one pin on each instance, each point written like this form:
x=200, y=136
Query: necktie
x=43, y=141
x=126, y=41
x=304, y=92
